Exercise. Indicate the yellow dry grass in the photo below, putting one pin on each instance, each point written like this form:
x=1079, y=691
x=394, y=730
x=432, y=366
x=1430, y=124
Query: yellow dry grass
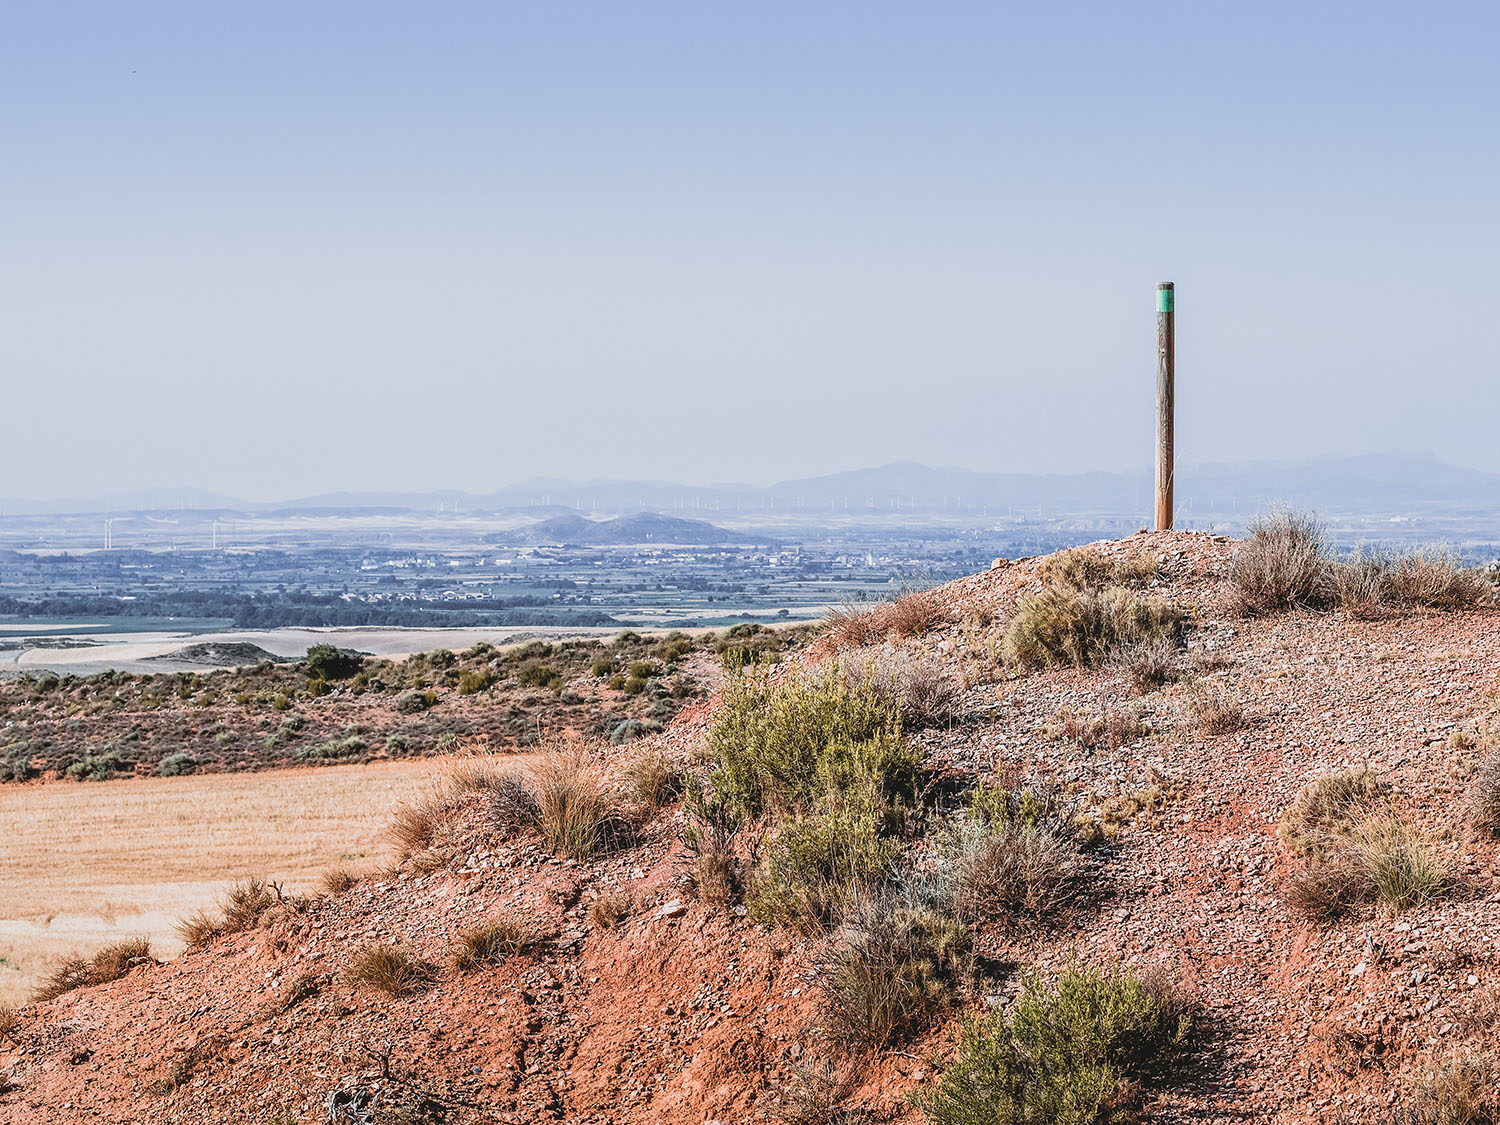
x=83, y=864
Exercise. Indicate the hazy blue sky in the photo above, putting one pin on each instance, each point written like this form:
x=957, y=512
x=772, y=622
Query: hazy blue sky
x=275, y=248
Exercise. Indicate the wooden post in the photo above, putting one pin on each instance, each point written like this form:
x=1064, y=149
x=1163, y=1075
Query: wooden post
x=1164, y=393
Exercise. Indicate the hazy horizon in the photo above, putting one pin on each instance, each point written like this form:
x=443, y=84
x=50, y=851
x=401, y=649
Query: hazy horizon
x=282, y=250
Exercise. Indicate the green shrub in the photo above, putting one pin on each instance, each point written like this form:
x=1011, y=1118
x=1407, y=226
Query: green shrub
x=1079, y=1052
x=817, y=863
x=16, y=765
x=603, y=666
x=176, y=765
x=1063, y=625
x=414, y=702
x=324, y=662
x=474, y=680
x=785, y=745
x=335, y=749
x=95, y=767
x=628, y=730
x=642, y=670
x=635, y=685
x=536, y=673
x=893, y=966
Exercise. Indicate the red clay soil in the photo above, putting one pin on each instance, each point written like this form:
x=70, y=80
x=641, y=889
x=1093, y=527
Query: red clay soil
x=684, y=1013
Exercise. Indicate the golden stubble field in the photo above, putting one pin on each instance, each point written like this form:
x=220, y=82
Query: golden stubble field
x=85, y=863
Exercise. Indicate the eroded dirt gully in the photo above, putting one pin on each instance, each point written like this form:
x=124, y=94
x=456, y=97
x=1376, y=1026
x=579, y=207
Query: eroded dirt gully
x=685, y=1013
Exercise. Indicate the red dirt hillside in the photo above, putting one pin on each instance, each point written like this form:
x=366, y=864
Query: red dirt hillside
x=634, y=1000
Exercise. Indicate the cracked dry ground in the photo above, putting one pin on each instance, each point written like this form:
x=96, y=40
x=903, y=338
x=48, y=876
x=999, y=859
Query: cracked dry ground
x=684, y=1013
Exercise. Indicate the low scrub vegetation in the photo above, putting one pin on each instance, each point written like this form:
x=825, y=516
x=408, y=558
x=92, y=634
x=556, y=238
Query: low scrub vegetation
x=918, y=688
x=1354, y=852
x=110, y=963
x=1482, y=800
x=861, y=624
x=1217, y=710
x=391, y=970
x=579, y=810
x=894, y=964
x=1079, y=1052
x=490, y=943
x=1086, y=568
x=709, y=834
x=1149, y=664
x=1287, y=563
x=1015, y=855
x=1063, y=625
x=240, y=910
x=1461, y=1087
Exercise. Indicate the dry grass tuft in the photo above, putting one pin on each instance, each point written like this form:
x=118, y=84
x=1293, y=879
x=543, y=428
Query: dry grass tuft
x=1435, y=578
x=608, y=911
x=1462, y=1088
x=336, y=880
x=893, y=965
x=918, y=687
x=490, y=943
x=416, y=823
x=1150, y=664
x=1084, y=568
x=512, y=805
x=652, y=780
x=391, y=970
x=580, y=812
x=1328, y=807
x=1014, y=856
x=110, y=963
x=1330, y=887
x=10, y=1019
x=1217, y=710
x=1112, y=728
x=816, y=1096
x=240, y=910
x=1402, y=864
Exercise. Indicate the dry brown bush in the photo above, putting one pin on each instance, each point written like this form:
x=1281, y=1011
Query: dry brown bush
x=1112, y=728
x=1085, y=568
x=1361, y=587
x=415, y=824
x=240, y=909
x=1061, y=625
x=391, y=970
x=816, y=1095
x=918, y=687
x=860, y=624
x=1460, y=1088
x=1435, y=578
x=652, y=779
x=1149, y=664
x=609, y=910
x=110, y=963
x=1328, y=807
x=1284, y=564
x=336, y=880
x=1329, y=886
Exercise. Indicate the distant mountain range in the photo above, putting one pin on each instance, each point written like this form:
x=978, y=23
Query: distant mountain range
x=1376, y=483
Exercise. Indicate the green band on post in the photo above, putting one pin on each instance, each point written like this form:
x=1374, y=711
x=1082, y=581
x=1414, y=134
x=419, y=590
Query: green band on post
x=1164, y=300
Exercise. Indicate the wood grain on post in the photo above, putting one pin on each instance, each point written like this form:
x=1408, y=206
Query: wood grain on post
x=1164, y=393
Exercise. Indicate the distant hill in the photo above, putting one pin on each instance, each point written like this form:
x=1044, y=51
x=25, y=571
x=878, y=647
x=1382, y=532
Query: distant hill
x=643, y=527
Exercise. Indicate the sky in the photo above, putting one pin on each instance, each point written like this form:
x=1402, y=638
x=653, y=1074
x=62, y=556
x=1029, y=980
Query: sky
x=276, y=249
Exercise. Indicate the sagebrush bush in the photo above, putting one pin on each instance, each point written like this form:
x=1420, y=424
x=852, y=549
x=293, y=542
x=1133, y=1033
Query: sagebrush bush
x=1085, y=568
x=893, y=965
x=1063, y=625
x=391, y=970
x=1284, y=564
x=490, y=943
x=110, y=963
x=1079, y=1052
x=787, y=744
x=177, y=765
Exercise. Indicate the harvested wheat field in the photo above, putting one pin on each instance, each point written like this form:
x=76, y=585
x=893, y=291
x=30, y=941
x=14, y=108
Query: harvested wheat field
x=82, y=864
x=1170, y=829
